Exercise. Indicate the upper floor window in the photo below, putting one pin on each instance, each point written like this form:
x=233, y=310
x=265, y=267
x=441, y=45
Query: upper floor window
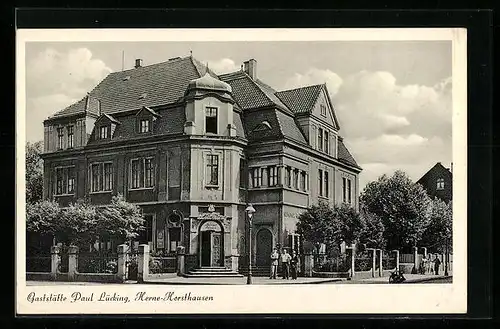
x=288, y=177
x=296, y=179
x=60, y=138
x=323, y=110
x=101, y=177
x=440, y=184
x=145, y=126
x=327, y=143
x=71, y=136
x=142, y=171
x=325, y=177
x=211, y=120
x=257, y=177
x=272, y=175
x=346, y=190
x=103, y=132
x=320, y=182
x=320, y=139
x=212, y=169
x=243, y=173
x=303, y=181
x=65, y=180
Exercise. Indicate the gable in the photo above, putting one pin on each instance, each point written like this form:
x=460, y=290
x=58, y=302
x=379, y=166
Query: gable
x=328, y=116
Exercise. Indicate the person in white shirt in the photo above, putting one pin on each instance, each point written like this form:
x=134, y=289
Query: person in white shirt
x=285, y=264
x=274, y=263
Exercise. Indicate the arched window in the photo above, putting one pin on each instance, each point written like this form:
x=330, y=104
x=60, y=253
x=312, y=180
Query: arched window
x=440, y=184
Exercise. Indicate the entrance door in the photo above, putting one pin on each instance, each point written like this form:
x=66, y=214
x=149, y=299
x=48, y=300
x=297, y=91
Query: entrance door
x=264, y=246
x=216, y=249
x=206, y=245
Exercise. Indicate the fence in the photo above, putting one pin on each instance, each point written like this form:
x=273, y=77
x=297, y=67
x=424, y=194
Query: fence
x=98, y=262
x=163, y=263
x=363, y=262
x=326, y=263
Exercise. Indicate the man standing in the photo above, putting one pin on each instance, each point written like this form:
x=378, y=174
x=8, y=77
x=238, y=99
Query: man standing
x=274, y=263
x=437, y=262
x=285, y=263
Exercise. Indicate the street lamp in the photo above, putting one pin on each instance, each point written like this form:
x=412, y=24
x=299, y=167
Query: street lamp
x=250, y=210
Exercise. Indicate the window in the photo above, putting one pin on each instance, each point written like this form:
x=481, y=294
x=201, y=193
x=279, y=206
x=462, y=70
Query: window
x=440, y=184
x=346, y=190
x=101, y=177
x=174, y=238
x=325, y=175
x=320, y=182
x=70, y=137
x=65, y=180
x=145, y=126
x=323, y=110
x=147, y=235
x=60, y=137
x=288, y=177
x=211, y=120
x=212, y=169
x=142, y=173
x=104, y=132
x=327, y=144
x=320, y=139
x=303, y=180
x=243, y=173
x=296, y=179
x=272, y=176
x=257, y=177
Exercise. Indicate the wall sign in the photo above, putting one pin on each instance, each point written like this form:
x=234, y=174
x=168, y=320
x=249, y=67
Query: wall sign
x=160, y=244
x=210, y=226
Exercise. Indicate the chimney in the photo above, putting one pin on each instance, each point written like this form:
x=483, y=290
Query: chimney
x=138, y=62
x=251, y=68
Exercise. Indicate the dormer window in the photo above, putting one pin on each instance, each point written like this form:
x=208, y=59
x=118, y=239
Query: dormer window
x=211, y=120
x=145, y=126
x=103, y=132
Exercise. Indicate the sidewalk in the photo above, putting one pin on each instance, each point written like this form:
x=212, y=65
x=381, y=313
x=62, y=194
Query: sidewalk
x=236, y=281
x=410, y=278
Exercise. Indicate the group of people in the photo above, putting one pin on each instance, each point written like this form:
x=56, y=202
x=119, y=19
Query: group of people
x=289, y=264
x=426, y=265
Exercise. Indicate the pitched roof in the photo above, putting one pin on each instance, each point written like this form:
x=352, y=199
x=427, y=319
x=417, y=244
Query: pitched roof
x=344, y=155
x=152, y=85
x=281, y=125
x=437, y=167
x=300, y=100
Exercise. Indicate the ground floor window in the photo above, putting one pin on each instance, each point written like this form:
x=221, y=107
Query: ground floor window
x=146, y=236
x=174, y=238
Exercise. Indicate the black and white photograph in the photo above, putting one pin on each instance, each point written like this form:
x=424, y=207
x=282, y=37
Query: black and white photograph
x=174, y=168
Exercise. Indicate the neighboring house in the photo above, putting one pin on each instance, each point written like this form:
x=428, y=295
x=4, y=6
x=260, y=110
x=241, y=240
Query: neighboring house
x=438, y=182
x=192, y=149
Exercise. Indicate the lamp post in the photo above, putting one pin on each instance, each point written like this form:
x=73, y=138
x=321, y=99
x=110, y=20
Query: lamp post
x=250, y=210
x=446, y=254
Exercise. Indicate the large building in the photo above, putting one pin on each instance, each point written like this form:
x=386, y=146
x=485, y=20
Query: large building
x=438, y=182
x=193, y=149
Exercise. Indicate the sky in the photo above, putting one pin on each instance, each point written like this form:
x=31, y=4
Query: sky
x=392, y=98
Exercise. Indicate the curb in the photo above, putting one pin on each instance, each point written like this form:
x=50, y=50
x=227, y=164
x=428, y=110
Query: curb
x=428, y=279
x=231, y=284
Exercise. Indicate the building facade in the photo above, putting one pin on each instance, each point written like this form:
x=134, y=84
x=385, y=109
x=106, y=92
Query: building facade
x=438, y=182
x=193, y=149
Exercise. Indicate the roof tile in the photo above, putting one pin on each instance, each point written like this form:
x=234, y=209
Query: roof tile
x=300, y=100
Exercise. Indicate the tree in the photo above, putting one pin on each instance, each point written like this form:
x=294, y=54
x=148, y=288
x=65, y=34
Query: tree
x=438, y=233
x=82, y=224
x=372, y=233
x=34, y=172
x=402, y=206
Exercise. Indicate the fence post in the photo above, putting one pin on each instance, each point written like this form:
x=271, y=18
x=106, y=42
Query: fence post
x=55, y=261
x=72, y=262
x=143, y=263
x=374, y=256
x=397, y=259
x=180, y=260
x=353, y=259
x=380, y=270
x=425, y=251
x=121, y=273
x=415, y=260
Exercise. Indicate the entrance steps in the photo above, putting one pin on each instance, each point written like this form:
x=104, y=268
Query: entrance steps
x=212, y=272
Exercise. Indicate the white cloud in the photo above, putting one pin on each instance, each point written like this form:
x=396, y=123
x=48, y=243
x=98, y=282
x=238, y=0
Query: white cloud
x=388, y=126
x=223, y=65
x=315, y=76
x=54, y=80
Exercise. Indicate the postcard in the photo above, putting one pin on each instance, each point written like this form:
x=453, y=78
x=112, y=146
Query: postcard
x=256, y=171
